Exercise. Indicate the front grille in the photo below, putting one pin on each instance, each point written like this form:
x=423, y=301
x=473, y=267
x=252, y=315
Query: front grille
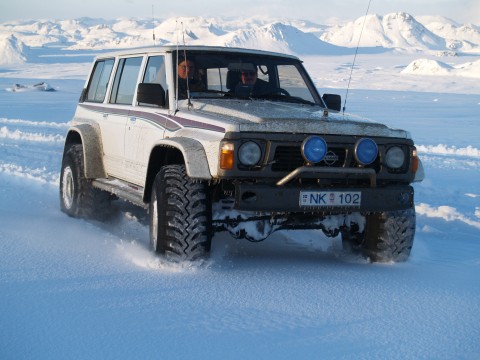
x=288, y=158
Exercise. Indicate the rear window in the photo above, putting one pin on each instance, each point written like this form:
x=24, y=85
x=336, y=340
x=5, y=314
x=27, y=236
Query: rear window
x=97, y=88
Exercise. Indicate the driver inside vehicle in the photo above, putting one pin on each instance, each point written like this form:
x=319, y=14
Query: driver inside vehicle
x=250, y=84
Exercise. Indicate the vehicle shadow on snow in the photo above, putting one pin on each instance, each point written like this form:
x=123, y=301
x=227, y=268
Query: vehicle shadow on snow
x=130, y=225
x=285, y=248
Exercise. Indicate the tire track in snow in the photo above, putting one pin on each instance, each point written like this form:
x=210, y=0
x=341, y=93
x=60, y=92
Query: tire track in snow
x=445, y=150
x=32, y=149
x=5, y=133
x=459, y=160
x=42, y=175
x=447, y=213
x=451, y=157
x=33, y=123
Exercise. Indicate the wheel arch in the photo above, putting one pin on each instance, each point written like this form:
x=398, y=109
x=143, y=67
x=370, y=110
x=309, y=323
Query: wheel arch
x=180, y=151
x=89, y=137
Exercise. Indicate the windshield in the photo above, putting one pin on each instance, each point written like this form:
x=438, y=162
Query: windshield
x=226, y=75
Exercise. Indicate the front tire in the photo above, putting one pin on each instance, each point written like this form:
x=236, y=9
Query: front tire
x=78, y=198
x=180, y=215
x=388, y=236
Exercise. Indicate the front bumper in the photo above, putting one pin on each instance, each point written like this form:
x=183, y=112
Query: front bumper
x=271, y=198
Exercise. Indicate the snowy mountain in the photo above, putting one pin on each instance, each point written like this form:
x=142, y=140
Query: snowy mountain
x=464, y=37
x=399, y=31
x=283, y=38
x=430, y=37
x=12, y=50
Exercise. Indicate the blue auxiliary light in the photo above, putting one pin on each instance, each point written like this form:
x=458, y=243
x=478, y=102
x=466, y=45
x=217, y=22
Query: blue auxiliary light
x=314, y=149
x=366, y=151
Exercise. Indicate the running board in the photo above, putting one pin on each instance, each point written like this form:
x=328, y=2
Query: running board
x=123, y=190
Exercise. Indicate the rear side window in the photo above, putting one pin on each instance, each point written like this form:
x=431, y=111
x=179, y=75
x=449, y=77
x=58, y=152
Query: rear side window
x=155, y=74
x=97, y=88
x=125, y=81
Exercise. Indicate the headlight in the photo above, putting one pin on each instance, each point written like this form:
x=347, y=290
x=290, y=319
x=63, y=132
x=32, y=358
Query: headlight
x=249, y=153
x=395, y=157
x=366, y=151
x=314, y=149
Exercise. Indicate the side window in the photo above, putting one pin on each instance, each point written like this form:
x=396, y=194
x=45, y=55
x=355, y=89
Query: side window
x=125, y=81
x=292, y=81
x=97, y=88
x=155, y=71
x=155, y=74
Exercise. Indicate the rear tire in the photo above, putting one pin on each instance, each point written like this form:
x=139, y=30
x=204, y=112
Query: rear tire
x=388, y=236
x=180, y=215
x=78, y=198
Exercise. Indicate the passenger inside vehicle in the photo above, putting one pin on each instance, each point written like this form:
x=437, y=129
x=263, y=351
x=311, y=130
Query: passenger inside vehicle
x=188, y=78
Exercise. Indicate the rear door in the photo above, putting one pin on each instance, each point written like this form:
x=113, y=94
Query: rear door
x=116, y=114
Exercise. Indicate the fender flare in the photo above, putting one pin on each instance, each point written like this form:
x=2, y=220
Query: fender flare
x=196, y=162
x=92, y=149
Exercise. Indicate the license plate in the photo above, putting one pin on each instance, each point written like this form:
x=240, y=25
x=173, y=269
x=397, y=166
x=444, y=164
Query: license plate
x=330, y=198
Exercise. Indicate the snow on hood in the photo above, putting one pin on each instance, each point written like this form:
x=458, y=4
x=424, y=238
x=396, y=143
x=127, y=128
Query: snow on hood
x=271, y=116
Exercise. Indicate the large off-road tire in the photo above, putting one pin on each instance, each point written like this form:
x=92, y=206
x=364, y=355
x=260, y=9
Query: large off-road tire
x=78, y=198
x=388, y=236
x=180, y=215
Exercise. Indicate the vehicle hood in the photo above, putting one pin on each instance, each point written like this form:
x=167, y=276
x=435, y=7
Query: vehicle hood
x=273, y=116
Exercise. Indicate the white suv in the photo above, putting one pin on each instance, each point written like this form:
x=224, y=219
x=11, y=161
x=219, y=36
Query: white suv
x=243, y=144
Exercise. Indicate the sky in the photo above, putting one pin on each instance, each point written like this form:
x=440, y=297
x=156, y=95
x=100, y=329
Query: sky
x=462, y=11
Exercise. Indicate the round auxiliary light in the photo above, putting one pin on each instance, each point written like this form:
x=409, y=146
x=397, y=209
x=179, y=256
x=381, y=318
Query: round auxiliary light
x=249, y=153
x=314, y=149
x=395, y=157
x=366, y=151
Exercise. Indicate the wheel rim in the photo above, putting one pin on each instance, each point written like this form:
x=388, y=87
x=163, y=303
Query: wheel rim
x=68, y=187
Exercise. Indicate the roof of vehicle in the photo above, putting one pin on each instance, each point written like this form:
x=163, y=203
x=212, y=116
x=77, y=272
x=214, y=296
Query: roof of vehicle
x=171, y=48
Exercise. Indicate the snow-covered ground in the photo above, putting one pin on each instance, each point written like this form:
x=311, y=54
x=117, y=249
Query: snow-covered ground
x=79, y=289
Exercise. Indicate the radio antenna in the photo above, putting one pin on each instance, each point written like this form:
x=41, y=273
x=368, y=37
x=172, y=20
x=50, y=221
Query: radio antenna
x=176, y=65
x=355, y=57
x=189, y=103
x=153, y=24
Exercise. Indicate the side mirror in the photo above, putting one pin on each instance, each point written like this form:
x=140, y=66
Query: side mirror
x=332, y=101
x=150, y=93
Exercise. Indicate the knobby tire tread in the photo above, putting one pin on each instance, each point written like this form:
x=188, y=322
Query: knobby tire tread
x=184, y=215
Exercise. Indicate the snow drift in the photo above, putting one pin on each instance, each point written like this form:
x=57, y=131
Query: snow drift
x=434, y=67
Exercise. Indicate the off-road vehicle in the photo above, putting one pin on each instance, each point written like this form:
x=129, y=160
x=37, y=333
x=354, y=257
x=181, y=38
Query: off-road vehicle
x=212, y=152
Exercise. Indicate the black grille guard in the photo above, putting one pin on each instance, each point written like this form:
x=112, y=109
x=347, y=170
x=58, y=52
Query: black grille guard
x=336, y=173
